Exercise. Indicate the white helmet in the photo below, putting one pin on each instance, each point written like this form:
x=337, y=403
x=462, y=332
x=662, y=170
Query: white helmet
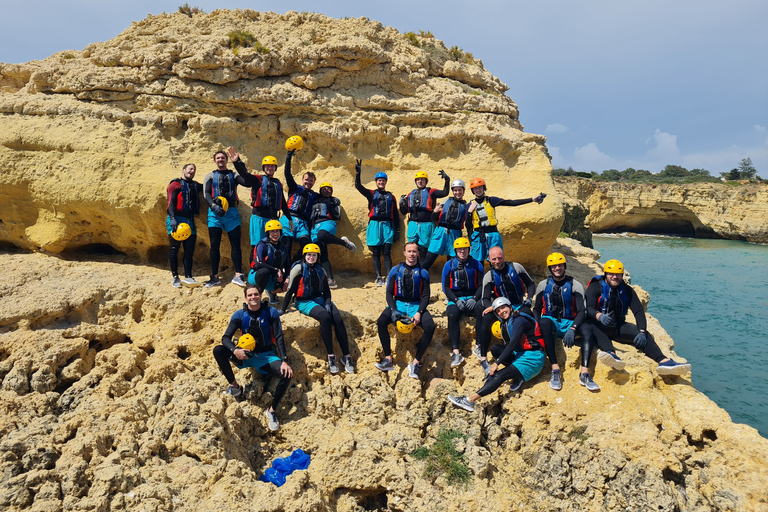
x=458, y=183
x=500, y=301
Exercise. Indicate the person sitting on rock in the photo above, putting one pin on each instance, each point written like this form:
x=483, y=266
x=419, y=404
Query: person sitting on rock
x=485, y=231
x=261, y=324
x=419, y=205
x=326, y=210
x=383, y=221
x=561, y=313
x=309, y=284
x=522, y=353
x=269, y=261
x=451, y=219
x=183, y=204
x=300, y=200
x=508, y=280
x=609, y=299
x=462, y=277
x=222, y=184
x=407, y=301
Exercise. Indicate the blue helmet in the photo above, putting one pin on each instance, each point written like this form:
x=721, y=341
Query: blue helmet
x=381, y=175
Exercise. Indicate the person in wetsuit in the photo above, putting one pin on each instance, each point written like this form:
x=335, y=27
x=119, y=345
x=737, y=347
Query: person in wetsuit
x=326, y=210
x=183, y=204
x=300, y=200
x=451, y=219
x=269, y=263
x=419, y=205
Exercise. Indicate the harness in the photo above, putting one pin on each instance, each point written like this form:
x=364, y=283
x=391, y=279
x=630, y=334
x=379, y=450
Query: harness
x=484, y=215
x=300, y=203
x=508, y=284
x=262, y=331
x=453, y=215
x=464, y=276
x=420, y=199
x=310, y=281
x=409, y=283
x=267, y=252
x=325, y=208
x=525, y=342
x=559, y=301
x=382, y=207
x=610, y=298
x=268, y=195
x=188, y=199
x=223, y=184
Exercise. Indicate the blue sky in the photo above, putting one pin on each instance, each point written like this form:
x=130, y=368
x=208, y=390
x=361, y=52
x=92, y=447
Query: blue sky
x=611, y=84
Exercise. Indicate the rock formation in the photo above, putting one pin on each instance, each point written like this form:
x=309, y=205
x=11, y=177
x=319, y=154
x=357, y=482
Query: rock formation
x=89, y=139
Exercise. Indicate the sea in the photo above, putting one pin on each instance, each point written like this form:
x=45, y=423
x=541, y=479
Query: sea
x=711, y=296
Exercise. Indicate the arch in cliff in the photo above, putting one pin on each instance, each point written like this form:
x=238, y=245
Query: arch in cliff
x=661, y=218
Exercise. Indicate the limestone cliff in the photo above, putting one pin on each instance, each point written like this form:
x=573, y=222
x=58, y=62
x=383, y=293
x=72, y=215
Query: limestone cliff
x=89, y=139
x=705, y=210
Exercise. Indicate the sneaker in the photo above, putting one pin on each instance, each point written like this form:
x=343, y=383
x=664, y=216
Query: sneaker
x=213, y=281
x=352, y=247
x=176, y=283
x=332, y=284
x=585, y=379
x=555, y=381
x=476, y=351
x=486, y=366
x=333, y=366
x=413, y=370
x=461, y=401
x=190, y=281
x=672, y=367
x=349, y=366
x=386, y=365
x=456, y=360
x=272, y=298
x=238, y=280
x=379, y=281
x=274, y=424
x=611, y=359
x=516, y=384
x=233, y=391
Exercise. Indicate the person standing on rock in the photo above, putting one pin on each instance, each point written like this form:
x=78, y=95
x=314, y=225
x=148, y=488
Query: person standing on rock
x=221, y=185
x=300, y=200
x=452, y=217
x=260, y=332
x=183, y=204
x=508, y=280
x=309, y=284
x=609, y=299
x=462, y=277
x=419, y=205
x=485, y=232
x=326, y=210
x=407, y=301
x=561, y=312
x=522, y=353
x=383, y=221
x=269, y=262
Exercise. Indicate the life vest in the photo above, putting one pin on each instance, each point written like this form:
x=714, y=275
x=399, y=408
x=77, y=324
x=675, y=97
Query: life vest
x=420, y=199
x=526, y=342
x=300, y=202
x=267, y=252
x=603, y=302
x=453, y=214
x=223, y=184
x=188, y=199
x=259, y=327
x=465, y=277
x=310, y=275
x=559, y=301
x=409, y=283
x=382, y=207
x=268, y=195
x=508, y=284
x=484, y=215
x=325, y=208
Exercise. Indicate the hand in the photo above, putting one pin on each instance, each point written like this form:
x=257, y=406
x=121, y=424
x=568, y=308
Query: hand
x=240, y=354
x=570, y=338
x=280, y=312
x=233, y=155
x=469, y=304
x=442, y=174
x=461, y=304
x=640, y=341
x=285, y=370
x=395, y=317
x=416, y=318
x=396, y=236
x=487, y=310
x=290, y=224
x=472, y=206
x=358, y=166
x=279, y=276
x=217, y=209
x=607, y=319
x=291, y=153
x=540, y=198
x=526, y=303
x=493, y=369
x=174, y=224
x=329, y=307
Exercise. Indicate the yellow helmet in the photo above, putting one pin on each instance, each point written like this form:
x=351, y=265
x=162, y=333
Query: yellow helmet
x=246, y=342
x=294, y=143
x=555, y=259
x=183, y=231
x=613, y=267
x=311, y=248
x=273, y=225
x=461, y=242
x=222, y=201
x=268, y=160
x=421, y=174
x=405, y=325
x=496, y=329
x=326, y=184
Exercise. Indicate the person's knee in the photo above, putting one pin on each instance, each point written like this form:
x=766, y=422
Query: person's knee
x=220, y=352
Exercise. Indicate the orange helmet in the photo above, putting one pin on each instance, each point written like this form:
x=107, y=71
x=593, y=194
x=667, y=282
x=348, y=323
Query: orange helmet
x=477, y=182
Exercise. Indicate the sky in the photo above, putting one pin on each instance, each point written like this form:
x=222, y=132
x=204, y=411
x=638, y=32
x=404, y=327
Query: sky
x=611, y=84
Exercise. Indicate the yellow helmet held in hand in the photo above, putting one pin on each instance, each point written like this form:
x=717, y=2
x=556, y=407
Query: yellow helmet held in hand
x=613, y=267
x=421, y=174
x=555, y=259
x=273, y=225
x=222, y=201
x=496, y=329
x=405, y=325
x=461, y=242
x=326, y=184
x=246, y=342
x=183, y=231
x=311, y=248
x=268, y=160
x=294, y=143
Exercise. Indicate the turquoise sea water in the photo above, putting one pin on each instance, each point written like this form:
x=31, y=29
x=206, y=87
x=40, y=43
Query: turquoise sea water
x=711, y=296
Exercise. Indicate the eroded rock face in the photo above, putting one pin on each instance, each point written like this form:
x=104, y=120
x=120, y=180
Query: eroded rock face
x=110, y=399
x=704, y=210
x=90, y=139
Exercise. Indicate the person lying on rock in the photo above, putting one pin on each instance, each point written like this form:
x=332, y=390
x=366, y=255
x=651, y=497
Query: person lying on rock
x=183, y=204
x=326, y=210
x=383, y=221
x=269, y=261
x=451, y=219
x=419, y=205
x=462, y=277
x=260, y=333
x=561, y=313
x=407, y=301
x=300, y=200
x=309, y=284
x=485, y=232
x=508, y=280
x=522, y=353
x=609, y=299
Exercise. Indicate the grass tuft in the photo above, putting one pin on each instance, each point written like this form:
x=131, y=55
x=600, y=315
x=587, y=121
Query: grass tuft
x=443, y=460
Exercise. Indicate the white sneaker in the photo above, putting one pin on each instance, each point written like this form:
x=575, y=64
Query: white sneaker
x=274, y=424
x=332, y=284
x=238, y=281
x=190, y=281
x=176, y=283
x=352, y=247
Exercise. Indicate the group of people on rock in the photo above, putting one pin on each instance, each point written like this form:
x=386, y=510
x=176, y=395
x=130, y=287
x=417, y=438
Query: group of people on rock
x=503, y=301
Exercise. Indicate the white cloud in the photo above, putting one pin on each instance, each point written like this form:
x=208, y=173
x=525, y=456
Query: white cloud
x=666, y=147
x=556, y=128
x=590, y=157
x=760, y=129
x=557, y=159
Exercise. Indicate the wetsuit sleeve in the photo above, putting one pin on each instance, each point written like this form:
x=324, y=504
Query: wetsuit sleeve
x=468, y=223
x=294, y=280
x=593, y=293
x=234, y=324
x=637, y=308
x=497, y=201
x=581, y=309
x=335, y=208
x=445, y=191
x=403, y=205
x=446, y=284
x=285, y=209
x=288, y=176
x=174, y=189
x=261, y=254
x=396, y=219
x=391, y=288
x=208, y=188
x=425, y=292
x=360, y=188
x=530, y=288
x=487, y=287
x=277, y=333
x=326, y=290
x=538, y=307
x=248, y=179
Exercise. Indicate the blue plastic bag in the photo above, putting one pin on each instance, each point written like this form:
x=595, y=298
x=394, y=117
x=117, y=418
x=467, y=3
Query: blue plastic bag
x=283, y=467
